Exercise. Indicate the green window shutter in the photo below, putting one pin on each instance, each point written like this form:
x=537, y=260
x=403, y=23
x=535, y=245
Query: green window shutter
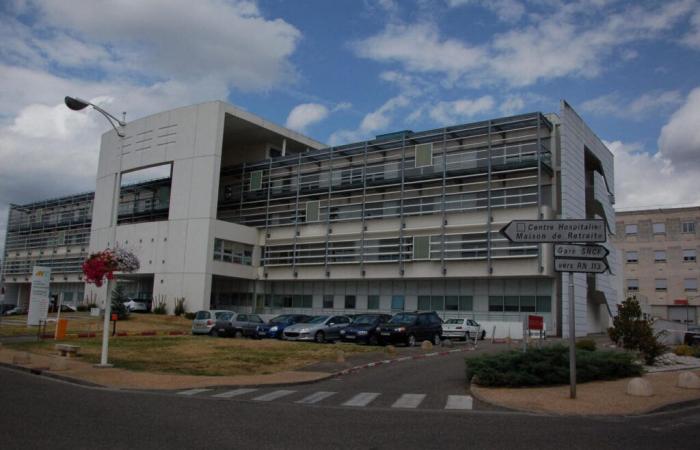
x=423, y=303
x=372, y=302
x=424, y=155
x=312, y=211
x=256, y=180
x=465, y=303
x=421, y=247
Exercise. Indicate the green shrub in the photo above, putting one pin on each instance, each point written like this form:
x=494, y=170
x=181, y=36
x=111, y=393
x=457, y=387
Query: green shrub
x=586, y=344
x=684, y=350
x=633, y=332
x=190, y=315
x=159, y=307
x=180, y=306
x=118, y=299
x=696, y=352
x=549, y=366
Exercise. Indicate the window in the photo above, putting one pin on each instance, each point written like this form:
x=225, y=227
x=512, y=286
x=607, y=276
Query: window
x=397, y=303
x=256, y=180
x=659, y=256
x=421, y=247
x=451, y=303
x=423, y=302
x=465, y=303
x=690, y=284
x=544, y=304
x=528, y=303
x=688, y=227
x=631, y=229
x=233, y=252
x=632, y=257
x=372, y=302
x=495, y=303
x=511, y=303
x=660, y=284
x=328, y=301
x=349, y=302
x=437, y=303
x=659, y=228
x=689, y=255
x=632, y=285
x=424, y=155
x=312, y=211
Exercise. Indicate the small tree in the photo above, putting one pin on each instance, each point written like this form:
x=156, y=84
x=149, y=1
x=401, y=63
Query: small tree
x=633, y=332
x=180, y=306
x=118, y=299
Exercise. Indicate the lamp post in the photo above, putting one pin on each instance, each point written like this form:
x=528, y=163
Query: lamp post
x=78, y=104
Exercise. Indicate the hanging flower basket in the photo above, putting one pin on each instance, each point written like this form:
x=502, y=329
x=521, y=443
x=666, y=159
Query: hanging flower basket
x=102, y=265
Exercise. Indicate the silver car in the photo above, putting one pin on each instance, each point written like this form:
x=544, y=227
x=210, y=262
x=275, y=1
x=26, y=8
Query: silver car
x=318, y=328
x=205, y=320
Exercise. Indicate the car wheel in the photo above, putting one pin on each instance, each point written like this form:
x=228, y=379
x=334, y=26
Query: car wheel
x=238, y=334
x=320, y=337
x=436, y=339
x=411, y=340
x=483, y=335
x=214, y=332
x=373, y=340
x=465, y=337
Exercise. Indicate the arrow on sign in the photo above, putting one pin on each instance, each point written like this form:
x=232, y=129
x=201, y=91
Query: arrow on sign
x=580, y=265
x=580, y=251
x=555, y=231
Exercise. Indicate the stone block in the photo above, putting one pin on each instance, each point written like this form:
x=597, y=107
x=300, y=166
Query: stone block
x=58, y=364
x=340, y=357
x=426, y=345
x=21, y=358
x=639, y=387
x=688, y=380
x=390, y=349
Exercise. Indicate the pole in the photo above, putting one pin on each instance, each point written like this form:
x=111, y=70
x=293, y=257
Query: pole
x=105, y=328
x=58, y=315
x=572, y=339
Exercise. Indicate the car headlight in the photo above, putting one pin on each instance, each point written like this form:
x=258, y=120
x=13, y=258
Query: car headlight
x=273, y=329
x=304, y=330
x=342, y=331
x=362, y=332
x=379, y=329
x=401, y=329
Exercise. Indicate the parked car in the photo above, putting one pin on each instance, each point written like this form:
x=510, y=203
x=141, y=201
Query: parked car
x=135, y=305
x=364, y=328
x=205, y=320
x=237, y=325
x=275, y=327
x=462, y=329
x=411, y=327
x=692, y=336
x=318, y=328
x=4, y=307
x=17, y=310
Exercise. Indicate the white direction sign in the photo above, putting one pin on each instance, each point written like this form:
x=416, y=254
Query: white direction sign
x=580, y=265
x=555, y=231
x=39, y=295
x=580, y=251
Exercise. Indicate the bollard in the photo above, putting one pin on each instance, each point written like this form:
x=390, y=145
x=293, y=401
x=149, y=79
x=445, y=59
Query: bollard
x=340, y=357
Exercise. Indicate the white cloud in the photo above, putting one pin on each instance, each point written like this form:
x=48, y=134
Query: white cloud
x=680, y=137
x=692, y=37
x=372, y=122
x=637, y=109
x=505, y=10
x=304, y=115
x=450, y=113
x=512, y=105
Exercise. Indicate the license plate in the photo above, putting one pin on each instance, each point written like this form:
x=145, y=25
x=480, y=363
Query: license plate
x=348, y=336
x=386, y=333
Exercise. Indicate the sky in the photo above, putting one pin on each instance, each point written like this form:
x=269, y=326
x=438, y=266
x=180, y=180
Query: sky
x=346, y=70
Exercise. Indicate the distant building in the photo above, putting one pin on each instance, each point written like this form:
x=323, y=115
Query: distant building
x=659, y=250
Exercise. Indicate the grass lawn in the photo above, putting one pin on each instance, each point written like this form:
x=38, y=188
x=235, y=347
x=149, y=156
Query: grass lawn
x=202, y=355
x=82, y=322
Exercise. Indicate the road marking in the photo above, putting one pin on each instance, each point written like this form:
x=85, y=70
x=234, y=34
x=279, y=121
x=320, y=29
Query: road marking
x=234, y=393
x=363, y=399
x=408, y=401
x=193, y=391
x=459, y=402
x=274, y=395
x=316, y=397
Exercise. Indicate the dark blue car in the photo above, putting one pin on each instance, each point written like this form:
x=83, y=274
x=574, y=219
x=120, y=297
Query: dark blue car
x=364, y=328
x=276, y=325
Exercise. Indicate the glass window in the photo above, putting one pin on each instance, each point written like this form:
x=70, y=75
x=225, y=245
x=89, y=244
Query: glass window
x=660, y=284
x=218, y=244
x=631, y=257
x=328, y=301
x=512, y=303
x=424, y=155
x=495, y=303
x=528, y=303
x=544, y=304
x=349, y=302
x=312, y=211
x=659, y=255
x=689, y=255
x=632, y=284
x=307, y=301
x=451, y=303
x=688, y=227
x=690, y=284
x=659, y=228
x=437, y=303
x=423, y=302
x=397, y=302
x=421, y=247
x=372, y=302
x=465, y=303
x=256, y=180
x=631, y=229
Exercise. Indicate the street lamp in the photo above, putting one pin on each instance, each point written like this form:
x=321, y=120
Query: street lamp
x=78, y=104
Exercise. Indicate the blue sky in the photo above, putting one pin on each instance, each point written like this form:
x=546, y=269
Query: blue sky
x=346, y=70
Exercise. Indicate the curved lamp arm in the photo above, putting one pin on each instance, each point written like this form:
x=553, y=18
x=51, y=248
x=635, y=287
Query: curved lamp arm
x=76, y=104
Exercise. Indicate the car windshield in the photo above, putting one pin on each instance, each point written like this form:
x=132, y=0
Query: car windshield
x=201, y=315
x=318, y=319
x=453, y=321
x=281, y=319
x=221, y=314
x=364, y=320
x=403, y=319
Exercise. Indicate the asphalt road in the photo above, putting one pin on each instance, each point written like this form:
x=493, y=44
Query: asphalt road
x=38, y=412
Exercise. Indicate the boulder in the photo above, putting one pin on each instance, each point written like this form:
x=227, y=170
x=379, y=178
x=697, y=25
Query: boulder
x=688, y=380
x=426, y=345
x=639, y=387
x=390, y=349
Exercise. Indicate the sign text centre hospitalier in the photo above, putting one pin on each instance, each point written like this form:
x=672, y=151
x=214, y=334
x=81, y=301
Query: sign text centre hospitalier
x=573, y=232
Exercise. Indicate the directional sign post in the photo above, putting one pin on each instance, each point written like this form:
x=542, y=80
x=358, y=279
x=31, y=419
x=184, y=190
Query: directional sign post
x=568, y=257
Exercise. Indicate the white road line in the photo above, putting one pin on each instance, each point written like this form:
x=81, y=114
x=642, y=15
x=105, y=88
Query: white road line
x=408, y=401
x=459, y=402
x=316, y=397
x=235, y=393
x=193, y=391
x=274, y=395
x=363, y=399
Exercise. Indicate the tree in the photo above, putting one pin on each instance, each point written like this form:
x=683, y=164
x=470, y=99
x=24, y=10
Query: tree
x=633, y=332
x=118, y=299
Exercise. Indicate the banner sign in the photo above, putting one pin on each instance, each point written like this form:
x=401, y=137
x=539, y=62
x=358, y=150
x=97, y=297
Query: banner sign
x=39, y=295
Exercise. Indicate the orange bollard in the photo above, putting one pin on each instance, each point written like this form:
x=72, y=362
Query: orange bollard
x=61, y=327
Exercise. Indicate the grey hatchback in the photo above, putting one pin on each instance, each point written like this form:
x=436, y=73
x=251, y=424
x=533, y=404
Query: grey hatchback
x=237, y=325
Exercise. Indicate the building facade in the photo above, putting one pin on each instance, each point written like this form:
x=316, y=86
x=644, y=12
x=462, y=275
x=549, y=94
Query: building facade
x=252, y=216
x=659, y=249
